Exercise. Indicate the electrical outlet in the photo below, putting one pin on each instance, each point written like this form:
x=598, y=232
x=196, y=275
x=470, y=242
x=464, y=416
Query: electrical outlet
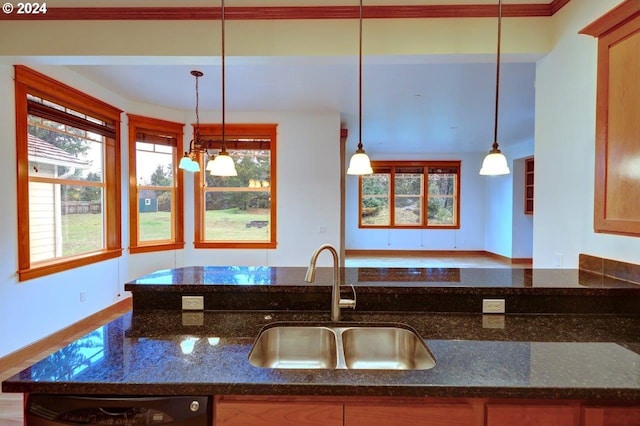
x=83, y=296
x=493, y=306
x=192, y=303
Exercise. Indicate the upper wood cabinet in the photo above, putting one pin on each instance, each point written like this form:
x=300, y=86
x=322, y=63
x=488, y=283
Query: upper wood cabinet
x=617, y=169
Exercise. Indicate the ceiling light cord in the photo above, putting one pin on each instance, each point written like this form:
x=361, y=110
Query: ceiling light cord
x=495, y=163
x=495, y=123
x=224, y=101
x=360, y=83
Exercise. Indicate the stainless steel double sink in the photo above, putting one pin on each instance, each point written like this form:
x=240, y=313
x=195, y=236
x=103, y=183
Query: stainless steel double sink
x=361, y=347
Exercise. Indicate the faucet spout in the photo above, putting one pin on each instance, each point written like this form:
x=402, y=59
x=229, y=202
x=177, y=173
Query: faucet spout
x=336, y=302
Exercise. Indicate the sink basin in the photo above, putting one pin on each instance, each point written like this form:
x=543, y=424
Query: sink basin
x=371, y=347
x=295, y=347
x=385, y=348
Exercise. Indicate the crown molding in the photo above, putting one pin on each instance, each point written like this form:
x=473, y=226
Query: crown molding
x=288, y=12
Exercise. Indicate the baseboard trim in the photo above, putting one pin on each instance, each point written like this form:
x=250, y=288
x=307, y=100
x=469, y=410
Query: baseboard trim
x=512, y=260
x=414, y=253
x=52, y=340
x=436, y=253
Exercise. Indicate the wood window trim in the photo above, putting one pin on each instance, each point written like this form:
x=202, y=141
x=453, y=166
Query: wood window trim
x=246, y=130
x=426, y=164
x=28, y=81
x=150, y=124
x=610, y=29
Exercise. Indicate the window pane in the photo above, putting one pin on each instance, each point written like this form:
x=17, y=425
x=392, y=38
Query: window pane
x=441, y=202
x=253, y=167
x=60, y=151
x=375, y=199
x=408, y=199
x=64, y=220
x=154, y=215
x=239, y=215
x=154, y=164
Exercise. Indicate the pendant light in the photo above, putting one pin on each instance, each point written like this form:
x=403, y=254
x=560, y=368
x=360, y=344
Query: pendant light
x=495, y=163
x=189, y=161
x=360, y=163
x=223, y=164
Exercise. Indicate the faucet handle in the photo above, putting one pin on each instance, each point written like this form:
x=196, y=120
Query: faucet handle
x=349, y=303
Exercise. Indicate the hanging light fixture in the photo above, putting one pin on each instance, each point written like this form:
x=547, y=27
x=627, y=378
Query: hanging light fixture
x=189, y=161
x=360, y=163
x=223, y=164
x=495, y=163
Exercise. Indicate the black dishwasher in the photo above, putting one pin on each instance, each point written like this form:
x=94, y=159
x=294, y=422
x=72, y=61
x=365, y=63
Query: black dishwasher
x=55, y=410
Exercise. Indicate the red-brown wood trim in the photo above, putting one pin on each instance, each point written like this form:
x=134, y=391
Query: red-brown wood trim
x=289, y=12
x=556, y=5
x=247, y=129
x=51, y=268
x=616, y=17
x=137, y=122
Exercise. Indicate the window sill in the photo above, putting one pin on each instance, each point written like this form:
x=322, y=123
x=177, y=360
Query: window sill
x=55, y=266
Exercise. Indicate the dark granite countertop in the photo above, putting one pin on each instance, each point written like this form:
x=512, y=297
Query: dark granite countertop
x=389, y=289
x=588, y=357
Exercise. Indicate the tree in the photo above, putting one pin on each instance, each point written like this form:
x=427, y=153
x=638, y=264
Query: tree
x=59, y=135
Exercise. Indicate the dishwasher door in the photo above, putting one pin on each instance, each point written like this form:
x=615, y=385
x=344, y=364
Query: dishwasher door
x=56, y=410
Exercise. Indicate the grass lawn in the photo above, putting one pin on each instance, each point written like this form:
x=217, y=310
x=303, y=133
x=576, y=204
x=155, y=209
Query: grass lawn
x=83, y=232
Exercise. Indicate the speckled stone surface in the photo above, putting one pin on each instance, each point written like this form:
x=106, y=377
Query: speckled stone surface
x=587, y=357
x=389, y=289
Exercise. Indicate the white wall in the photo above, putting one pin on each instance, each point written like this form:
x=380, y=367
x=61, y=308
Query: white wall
x=308, y=215
x=470, y=236
x=565, y=145
x=505, y=233
x=32, y=309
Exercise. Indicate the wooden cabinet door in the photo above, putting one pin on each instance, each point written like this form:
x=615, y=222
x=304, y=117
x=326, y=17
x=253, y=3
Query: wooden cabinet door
x=248, y=413
x=532, y=415
x=611, y=416
x=356, y=414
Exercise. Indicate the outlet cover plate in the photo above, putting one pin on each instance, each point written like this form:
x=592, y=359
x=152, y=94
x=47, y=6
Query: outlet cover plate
x=192, y=303
x=493, y=306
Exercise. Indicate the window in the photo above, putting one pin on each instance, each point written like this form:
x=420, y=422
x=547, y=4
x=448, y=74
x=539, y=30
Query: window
x=411, y=194
x=68, y=146
x=155, y=193
x=238, y=211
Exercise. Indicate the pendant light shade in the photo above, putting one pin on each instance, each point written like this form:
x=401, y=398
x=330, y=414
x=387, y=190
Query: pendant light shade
x=360, y=163
x=223, y=165
x=495, y=163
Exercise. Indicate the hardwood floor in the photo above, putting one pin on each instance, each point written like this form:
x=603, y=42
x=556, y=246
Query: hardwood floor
x=11, y=403
x=437, y=259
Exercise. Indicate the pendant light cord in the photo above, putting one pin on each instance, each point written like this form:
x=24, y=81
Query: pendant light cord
x=223, y=78
x=495, y=123
x=360, y=83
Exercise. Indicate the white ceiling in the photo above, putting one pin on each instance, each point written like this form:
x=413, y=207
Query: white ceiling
x=409, y=104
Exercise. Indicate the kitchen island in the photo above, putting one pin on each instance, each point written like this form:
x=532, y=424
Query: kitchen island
x=569, y=360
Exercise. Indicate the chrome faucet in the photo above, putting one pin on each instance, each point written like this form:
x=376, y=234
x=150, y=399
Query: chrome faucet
x=336, y=301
